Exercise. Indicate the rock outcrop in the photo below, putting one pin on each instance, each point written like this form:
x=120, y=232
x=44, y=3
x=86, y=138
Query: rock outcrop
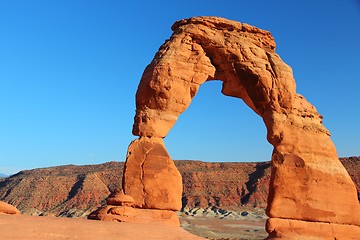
x=120, y=208
x=308, y=182
x=8, y=208
x=135, y=215
x=151, y=179
x=118, y=198
x=150, y=176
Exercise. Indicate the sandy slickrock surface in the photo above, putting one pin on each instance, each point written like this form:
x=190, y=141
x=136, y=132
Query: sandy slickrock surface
x=30, y=227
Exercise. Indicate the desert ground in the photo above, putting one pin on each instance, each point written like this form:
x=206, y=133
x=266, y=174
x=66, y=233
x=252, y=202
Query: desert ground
x=15, y=227
x=196, y=223
x=234, y=225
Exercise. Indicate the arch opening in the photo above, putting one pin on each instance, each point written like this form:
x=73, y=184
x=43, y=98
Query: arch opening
x=218, y=128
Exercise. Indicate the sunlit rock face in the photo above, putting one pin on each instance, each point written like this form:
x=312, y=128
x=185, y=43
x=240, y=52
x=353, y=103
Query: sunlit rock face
x=151, y=177
x=6, y=208
x=308, y=186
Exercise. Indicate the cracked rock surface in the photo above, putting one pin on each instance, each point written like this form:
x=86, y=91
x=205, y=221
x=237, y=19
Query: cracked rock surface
x=151, y=177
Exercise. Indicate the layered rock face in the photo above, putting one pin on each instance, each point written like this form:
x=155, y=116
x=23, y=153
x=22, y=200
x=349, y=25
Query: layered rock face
x=308, y=182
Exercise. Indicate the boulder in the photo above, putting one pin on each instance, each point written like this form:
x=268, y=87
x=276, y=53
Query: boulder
x=118, y=198
x=8, y=209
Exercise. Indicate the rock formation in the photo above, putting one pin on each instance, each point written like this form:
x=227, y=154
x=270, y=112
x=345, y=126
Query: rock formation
x=150, y=176
x=307, y=182
x=120, y=208
x=8, y=209
x=151, y=179
x=118, y=198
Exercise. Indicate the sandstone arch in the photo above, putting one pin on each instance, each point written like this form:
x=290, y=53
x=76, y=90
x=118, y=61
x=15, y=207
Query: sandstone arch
x=309, y=187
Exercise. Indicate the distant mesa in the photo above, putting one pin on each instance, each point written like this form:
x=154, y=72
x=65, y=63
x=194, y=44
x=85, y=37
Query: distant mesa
x=66, y=190
x=2, y=175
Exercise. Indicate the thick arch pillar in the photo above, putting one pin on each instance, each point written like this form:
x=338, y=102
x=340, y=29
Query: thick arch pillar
x=310, y=191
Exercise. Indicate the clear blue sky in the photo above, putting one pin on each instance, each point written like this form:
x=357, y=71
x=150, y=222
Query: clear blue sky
x=69, y=70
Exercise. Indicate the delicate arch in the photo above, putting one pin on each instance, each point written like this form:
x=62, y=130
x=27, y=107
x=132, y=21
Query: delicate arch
x=308, y=182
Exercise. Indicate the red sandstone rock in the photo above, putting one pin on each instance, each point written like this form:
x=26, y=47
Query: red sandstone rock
x=295, y=229
x=150, y=176
x=118, y=198
x=8, y=209
x=135, y=215
x=152, y=185
x=308, y=182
